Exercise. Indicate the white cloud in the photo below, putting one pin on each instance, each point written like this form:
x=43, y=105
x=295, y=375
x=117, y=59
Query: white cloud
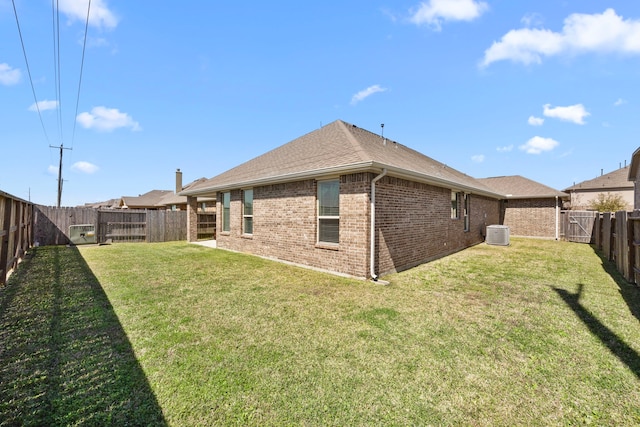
x=106, y=119
x=53, y=170
x=478, y=158
x=619, y=102
x=434, y=12
x=572, y=113
x=532, y=20
x=505, y=149
x=84, y=167
x=581, y=33
x=538, y=144
x=365, y=93
x=99, y=15
x=535, y=121
x=44, y=105
x=9, y=76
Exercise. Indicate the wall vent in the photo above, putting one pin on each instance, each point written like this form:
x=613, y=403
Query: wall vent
x=82, y=234
x=497, y=235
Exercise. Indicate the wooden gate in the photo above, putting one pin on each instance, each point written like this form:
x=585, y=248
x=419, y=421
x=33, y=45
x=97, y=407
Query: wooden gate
x=578, y=225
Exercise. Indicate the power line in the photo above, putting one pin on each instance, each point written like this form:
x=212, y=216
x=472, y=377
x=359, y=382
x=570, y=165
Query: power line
x=58, y=81
x=84, y=45
x=56, y=63
x=24, y=52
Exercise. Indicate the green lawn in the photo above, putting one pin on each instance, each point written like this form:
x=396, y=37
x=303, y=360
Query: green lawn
x=536, y=333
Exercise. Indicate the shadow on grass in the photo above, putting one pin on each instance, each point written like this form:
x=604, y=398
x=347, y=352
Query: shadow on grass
x=64, y=357
x=630, y=292
x=615, y=344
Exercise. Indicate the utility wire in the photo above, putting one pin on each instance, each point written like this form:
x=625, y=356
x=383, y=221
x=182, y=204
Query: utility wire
x=56, y=65
x=24, y=52
x=84, y=45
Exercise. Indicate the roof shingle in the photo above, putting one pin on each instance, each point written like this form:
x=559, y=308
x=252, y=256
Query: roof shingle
x=518, y=187
x=618, y=179
x=338, y=147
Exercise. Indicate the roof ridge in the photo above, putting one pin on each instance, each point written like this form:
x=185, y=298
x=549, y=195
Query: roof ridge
x=355, y=143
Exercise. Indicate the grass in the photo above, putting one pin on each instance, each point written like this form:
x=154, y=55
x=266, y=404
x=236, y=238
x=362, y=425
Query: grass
x=536, y=333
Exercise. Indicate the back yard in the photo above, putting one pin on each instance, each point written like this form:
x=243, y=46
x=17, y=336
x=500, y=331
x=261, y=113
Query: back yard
x=537, y=333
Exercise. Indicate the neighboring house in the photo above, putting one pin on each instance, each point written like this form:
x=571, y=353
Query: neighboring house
x=175, y=202
x=107, y=204
x=634, y=177
x=158, y=199
x=616, y=182
x=147, y=200
x=530, y=209
x=344, y=199
x=150, y=200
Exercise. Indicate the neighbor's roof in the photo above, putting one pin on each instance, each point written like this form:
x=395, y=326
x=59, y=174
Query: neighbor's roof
x=146, y=200
x=518, y=187
x=108, y=204
x=175, y=199
x=616, y=180
x=339, y=148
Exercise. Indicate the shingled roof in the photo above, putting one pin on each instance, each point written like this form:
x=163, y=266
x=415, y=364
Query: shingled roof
x=176, y=199
x=616, y=180
x=339, y=148
x=518, y=187
x=146, y=200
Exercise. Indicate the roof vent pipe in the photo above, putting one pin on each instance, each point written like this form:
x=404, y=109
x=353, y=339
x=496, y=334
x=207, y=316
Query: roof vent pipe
x=372, y=261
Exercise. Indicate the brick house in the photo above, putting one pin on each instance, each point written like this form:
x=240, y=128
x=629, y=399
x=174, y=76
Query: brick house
x=634, y=177
x=175, y=202
x=347, y=200
x=529, y=208
x=616, y=182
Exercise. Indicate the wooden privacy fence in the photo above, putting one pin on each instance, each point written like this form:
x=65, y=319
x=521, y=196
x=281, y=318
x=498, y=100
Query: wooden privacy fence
x=617, y=237
x=15, y=232
x=577, y=226
x=52, y=224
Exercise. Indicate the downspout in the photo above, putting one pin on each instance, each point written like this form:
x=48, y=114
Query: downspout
x=373, y=223
x=557, y=217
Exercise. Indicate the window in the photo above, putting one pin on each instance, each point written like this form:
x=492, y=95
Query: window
x=226, y=206
x=455, y=214
x=467, y=200
x=247, y=211
x=328, y=211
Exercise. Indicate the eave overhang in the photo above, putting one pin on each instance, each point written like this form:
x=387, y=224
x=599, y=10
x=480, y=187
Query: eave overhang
x=374, y=167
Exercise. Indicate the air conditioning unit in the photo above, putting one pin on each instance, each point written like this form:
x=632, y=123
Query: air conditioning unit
x=497, y=235
x=82, y=234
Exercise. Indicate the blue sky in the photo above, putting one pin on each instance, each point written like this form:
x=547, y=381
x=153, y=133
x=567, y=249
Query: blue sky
x=549, y=90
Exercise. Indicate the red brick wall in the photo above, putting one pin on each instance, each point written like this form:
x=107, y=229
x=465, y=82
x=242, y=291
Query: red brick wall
x=285, y=223
x=413, y=221
x=414, y=224
x=531, y=217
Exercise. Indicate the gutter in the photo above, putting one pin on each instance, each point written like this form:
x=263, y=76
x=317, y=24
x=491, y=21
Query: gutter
x=374, y=276
x=367, y=166
x=557, y=217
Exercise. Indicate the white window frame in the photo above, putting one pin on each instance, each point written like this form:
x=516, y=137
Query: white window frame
x=226, y=212
x=466, y=209
x=247, y=216
x=321, y=218
x=455, y=205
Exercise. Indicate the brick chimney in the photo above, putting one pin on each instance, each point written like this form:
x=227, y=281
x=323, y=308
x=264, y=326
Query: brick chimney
x=178, y=181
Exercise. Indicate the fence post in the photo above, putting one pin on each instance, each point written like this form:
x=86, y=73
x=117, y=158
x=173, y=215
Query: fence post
x=622, y=244
x=5, y=232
